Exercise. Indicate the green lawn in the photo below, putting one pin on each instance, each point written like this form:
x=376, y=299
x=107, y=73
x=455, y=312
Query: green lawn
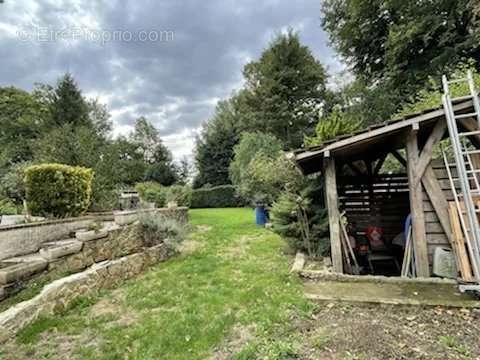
x=229, y=295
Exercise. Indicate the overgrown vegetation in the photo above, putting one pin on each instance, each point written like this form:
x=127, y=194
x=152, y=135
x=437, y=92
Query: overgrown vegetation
x=157, y=228
x=58, y=190
x=334, y=124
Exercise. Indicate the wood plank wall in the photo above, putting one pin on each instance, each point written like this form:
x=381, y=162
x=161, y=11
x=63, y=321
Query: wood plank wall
x=383, y=203
x=390, y=204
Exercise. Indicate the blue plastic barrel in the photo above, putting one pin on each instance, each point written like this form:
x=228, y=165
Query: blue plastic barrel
x=260, y=215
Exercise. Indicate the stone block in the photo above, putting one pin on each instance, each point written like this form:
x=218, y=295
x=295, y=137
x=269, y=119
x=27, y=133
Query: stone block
x=88, y=235
x=125, y=217
x=20, y=271
x=57, y=249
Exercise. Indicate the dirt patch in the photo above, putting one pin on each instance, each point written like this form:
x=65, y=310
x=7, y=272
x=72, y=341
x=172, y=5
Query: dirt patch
x=239, y=338
x=52, y=345
x=203, y=228
x=112, y=308
x=346, y=331
x=190, y=246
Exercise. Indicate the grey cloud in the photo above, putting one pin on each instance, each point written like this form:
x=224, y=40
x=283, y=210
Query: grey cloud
x=172, y=83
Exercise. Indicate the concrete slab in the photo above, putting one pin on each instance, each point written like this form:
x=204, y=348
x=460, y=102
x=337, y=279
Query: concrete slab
x=57, y=249
x=429, y=294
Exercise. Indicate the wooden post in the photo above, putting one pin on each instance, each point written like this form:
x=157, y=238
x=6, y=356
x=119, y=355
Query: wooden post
x=416, y=208
x=333, y=214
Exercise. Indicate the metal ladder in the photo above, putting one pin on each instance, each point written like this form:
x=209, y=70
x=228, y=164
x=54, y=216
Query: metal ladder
x=466, y=174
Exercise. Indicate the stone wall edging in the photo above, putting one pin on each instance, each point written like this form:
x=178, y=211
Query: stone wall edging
x=58, y=295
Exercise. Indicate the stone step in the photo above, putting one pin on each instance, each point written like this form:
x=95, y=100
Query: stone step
x=11, y=271
x=87, y=235
x=57, y=249
x=21, y=259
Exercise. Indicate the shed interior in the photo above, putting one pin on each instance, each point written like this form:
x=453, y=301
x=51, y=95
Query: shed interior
x=374, y=200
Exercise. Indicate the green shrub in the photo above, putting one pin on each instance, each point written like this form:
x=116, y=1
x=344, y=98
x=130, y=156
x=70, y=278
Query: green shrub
x=12, y=185
x=181, y=194
x=302, y=220
x=152, y=192
x=58, y=190
x=216, y=197
x=7, y=207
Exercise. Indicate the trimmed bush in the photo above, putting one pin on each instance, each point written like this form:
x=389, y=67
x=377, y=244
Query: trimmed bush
x=150, y=191
x=57, y=190
x=216, y=197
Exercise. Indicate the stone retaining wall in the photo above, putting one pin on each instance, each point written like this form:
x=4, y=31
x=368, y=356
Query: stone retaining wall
x=119, y=242
x=16, y=240
x=23, y=239
x=58, y=295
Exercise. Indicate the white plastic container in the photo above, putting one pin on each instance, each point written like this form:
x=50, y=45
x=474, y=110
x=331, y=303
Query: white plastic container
x=444, y=264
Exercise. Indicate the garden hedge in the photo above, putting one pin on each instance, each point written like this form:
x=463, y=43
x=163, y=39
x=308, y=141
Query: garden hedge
x=216, y=197
x=56, y=190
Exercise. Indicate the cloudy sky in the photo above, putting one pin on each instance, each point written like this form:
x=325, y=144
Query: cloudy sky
x=168, y=60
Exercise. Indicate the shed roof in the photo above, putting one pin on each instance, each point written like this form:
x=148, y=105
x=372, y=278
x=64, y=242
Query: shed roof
x=375, y=140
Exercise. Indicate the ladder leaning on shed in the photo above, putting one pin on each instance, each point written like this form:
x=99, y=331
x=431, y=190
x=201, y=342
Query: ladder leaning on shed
x=466, y=176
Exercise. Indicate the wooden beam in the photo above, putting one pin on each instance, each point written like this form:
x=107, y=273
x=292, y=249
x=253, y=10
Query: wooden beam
x=426, y=155
x=438, y=200
x=416, y=208
x=379, y=164
x=333, y=214
x=399, y=157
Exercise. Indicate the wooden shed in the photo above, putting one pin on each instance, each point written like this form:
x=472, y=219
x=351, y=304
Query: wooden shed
x=372, y=196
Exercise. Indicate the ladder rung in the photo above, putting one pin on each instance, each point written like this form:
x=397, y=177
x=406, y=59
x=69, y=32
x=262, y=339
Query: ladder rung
x=469, y=133
x=462, y=98
x=468, y=178
x=476, y=210
x=473, y=171
x=453, y=164
x=471, y=152
x=463, y=116
x=471, y=191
